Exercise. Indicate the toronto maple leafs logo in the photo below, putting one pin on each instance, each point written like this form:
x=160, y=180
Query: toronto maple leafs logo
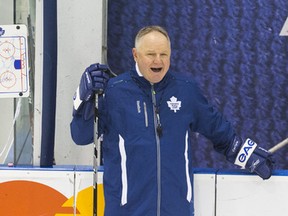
x=173, y=104
x=2, y=31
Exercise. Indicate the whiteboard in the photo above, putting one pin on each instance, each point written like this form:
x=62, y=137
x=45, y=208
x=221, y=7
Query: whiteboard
x=14, y=67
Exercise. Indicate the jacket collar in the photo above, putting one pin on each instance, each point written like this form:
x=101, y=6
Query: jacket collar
x=145, y=84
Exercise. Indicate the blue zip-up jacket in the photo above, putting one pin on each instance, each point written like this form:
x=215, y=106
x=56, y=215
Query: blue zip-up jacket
x=146, y=147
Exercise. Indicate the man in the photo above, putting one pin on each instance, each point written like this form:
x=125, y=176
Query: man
x=148, y=114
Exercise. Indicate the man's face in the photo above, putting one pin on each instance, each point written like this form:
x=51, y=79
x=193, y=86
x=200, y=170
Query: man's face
x=152, y=55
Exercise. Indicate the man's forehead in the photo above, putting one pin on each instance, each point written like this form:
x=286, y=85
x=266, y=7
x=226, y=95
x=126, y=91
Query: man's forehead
x=157, y=50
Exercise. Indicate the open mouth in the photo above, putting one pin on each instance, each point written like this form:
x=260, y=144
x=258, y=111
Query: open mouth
x=156, y=70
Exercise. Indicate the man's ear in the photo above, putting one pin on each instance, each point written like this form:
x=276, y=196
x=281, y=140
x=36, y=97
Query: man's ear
x=134, y=52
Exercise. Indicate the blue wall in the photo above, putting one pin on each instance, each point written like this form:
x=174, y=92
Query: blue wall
x=234, y=51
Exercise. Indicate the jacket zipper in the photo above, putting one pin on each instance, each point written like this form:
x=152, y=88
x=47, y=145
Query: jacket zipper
x=156, y=124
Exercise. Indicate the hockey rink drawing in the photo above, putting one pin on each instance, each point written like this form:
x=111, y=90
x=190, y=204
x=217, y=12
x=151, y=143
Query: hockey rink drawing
x=14, y=70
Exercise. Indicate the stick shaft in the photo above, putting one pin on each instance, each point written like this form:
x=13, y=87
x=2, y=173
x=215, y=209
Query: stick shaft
x=279, y=145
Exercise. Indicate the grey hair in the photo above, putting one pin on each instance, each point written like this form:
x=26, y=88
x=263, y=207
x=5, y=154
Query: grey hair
x=148, y=29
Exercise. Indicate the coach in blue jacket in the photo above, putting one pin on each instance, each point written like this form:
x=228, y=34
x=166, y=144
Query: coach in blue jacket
x=147, y=116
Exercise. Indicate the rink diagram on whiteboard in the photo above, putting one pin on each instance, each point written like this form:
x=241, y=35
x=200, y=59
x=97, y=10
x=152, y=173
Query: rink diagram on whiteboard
x=14, y=70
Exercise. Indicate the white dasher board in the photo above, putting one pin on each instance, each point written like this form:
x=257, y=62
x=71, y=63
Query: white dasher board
x=14, y=68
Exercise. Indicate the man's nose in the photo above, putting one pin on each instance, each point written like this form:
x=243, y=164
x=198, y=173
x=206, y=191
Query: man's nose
x=157, y=58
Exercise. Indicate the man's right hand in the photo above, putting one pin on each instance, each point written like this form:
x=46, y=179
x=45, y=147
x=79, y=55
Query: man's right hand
x=93, y=80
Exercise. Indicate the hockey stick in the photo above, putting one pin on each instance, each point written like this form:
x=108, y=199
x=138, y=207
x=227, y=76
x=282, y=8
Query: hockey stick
x=279, y=146
x=97, y=160
x=98, y=140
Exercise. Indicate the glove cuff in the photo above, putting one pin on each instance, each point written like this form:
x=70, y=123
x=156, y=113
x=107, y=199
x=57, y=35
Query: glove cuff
x=86, y=110
x=245, y=153
x=76, y=99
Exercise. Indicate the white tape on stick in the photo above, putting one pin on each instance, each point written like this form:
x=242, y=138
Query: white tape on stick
x=279, y=145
